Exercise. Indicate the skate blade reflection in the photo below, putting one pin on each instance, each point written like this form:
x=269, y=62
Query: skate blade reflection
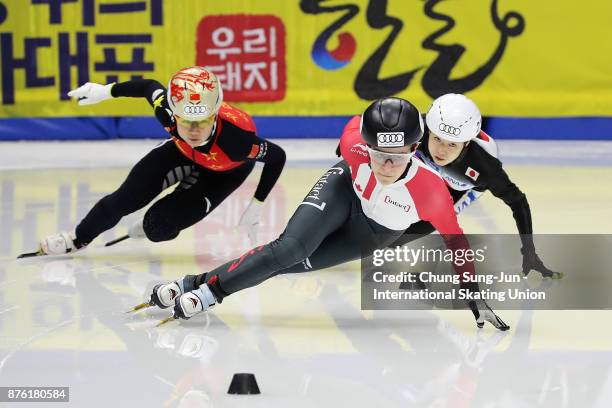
x=166, y=320
x=139, y=307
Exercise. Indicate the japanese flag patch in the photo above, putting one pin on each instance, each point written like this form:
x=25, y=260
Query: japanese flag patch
x=471, y=173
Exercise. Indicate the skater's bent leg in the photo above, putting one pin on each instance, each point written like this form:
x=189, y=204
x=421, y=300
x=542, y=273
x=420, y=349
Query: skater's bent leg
x=143, y=184
x=188, y=204
x=351, y=242
x=106, y=213
x=338, y=248
x=325, y=209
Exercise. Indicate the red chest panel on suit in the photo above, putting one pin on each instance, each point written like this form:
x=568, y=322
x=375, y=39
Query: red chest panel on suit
x=216, y=159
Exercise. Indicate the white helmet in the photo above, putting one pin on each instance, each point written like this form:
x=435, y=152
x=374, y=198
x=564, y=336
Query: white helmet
x=454, y=117
x=194, y=94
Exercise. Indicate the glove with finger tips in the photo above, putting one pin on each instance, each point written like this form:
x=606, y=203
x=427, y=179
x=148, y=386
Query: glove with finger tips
x=91, y=93
x=250, y=219
x=482, y=312
x=531, y=261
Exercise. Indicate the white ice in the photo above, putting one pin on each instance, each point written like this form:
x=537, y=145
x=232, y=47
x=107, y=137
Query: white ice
x=62, y=320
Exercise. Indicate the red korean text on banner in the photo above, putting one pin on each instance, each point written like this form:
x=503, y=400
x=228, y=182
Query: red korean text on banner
x=247, y=53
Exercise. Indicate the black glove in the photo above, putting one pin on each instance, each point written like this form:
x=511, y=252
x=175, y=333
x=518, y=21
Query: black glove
x=483, y=312
x=531, y=261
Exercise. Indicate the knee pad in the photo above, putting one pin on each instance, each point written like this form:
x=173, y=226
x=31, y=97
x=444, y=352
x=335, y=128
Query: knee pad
x=159, y=229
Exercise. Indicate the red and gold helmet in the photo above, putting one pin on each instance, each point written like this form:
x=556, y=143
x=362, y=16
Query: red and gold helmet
x=194, y=94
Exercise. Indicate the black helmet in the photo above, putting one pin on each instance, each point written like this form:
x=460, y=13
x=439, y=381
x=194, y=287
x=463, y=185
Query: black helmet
x=391, y=122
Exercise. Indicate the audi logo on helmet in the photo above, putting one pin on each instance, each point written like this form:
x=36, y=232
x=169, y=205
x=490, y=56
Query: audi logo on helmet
x=451, y=130
x=390, y=139
x=195, y=110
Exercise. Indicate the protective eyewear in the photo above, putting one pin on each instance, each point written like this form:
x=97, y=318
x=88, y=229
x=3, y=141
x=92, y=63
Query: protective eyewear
x=197, y=123
x=395, y=159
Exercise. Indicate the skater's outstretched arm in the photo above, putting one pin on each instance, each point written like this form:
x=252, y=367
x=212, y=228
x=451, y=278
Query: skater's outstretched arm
x=155, y=93
x=250, y=147
x=502, y=187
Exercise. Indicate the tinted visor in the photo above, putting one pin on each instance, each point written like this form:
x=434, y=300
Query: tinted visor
x=198, y=123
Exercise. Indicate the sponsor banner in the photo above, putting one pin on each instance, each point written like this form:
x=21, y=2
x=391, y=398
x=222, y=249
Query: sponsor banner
x=312, y=57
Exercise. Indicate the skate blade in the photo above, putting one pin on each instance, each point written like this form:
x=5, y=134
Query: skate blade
x=166, y=320
x=139, y=307
x=31, y=254
x=116, y=241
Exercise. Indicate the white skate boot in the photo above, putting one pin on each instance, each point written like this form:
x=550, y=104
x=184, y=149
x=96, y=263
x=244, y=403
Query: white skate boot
x=164, y=295
x=192, y=303
x=136, y=230
x=58, y=244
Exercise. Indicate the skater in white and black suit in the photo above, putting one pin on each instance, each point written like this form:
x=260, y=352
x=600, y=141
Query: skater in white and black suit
x=211, y=150
x=365, y=201
x=466, y=158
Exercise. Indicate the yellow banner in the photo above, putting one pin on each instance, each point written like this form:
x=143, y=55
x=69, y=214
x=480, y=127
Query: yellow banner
x=313, y=57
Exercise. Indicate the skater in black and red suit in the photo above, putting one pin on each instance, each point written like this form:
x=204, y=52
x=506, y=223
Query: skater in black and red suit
x=211, y=150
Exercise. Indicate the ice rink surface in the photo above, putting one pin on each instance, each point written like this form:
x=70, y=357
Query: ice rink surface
x=62, y=320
